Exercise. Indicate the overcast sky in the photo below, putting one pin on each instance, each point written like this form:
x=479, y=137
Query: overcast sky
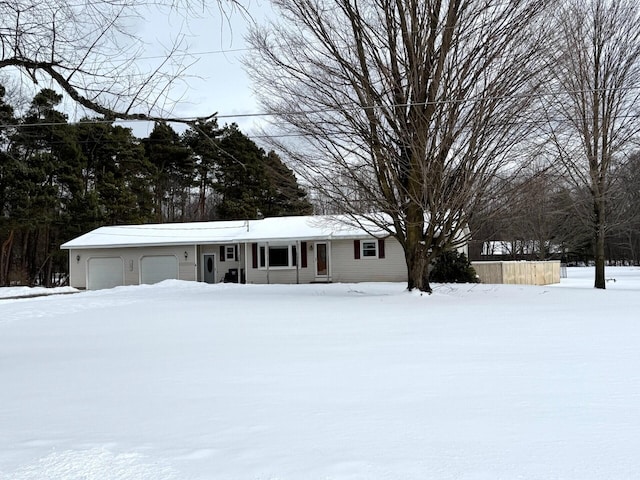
x=217, y=81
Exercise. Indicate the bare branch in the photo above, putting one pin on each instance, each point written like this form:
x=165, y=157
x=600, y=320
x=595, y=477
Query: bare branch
x=89, y=50
x=406, y=107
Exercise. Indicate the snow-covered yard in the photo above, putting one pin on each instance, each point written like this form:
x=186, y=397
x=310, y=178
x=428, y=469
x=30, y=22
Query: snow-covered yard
x=363, y=381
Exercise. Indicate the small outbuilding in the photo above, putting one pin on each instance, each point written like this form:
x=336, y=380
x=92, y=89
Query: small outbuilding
x=302, y=249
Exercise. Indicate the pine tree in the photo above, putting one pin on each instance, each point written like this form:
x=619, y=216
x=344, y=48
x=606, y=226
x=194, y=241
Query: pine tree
x=6, y=180
x=203, y=141
x=253, y=183
x=171, y=174
x=46, y=163
x=241, y=181
x=284, y=196
x=117, y=175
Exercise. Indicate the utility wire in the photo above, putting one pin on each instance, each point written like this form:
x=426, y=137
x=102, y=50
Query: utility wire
x=351, y=108
x=342, y=108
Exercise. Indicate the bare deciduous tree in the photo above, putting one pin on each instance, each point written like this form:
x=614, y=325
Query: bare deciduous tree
x=88, y=49
x=415, y=104
x=595, y=117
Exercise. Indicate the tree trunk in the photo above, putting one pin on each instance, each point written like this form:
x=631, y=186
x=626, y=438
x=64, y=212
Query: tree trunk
x=416, y=251
x=417, y=269
x=599, y=217
x=5, y=259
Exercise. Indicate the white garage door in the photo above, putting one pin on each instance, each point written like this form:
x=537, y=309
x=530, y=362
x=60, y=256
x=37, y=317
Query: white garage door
x=155, y=268
x=105, y=273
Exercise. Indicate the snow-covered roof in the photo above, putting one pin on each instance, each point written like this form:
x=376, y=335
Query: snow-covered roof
x=314, y=227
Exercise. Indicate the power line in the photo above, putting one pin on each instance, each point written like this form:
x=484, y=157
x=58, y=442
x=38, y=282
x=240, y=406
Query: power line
x=337, y=109
x=195, y=54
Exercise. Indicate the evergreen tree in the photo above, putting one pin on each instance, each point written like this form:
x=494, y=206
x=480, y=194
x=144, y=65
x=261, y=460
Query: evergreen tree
x=284, y=196
x=117, y=177
x=241, y=181
x=253, y=183
x=171, y=174
x=203, y=141
x=453, y=267
x=6, y=179
x=46, y=165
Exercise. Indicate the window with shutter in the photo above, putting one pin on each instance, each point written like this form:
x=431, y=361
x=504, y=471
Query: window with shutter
x=278, y=256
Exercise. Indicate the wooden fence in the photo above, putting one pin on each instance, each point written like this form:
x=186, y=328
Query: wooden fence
x=518, y=273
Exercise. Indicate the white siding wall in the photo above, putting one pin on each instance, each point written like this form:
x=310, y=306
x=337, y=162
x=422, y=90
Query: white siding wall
x=343, y=266
x=346, y=268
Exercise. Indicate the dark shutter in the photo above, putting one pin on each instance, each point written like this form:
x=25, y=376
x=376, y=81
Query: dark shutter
x=222, y=253
x=381, y=248
x=356, y=249
x=236, y=251
x=254, y=255
x=303, y=254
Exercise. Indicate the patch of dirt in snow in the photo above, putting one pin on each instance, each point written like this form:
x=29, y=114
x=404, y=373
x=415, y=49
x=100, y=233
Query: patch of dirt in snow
x=94, y=464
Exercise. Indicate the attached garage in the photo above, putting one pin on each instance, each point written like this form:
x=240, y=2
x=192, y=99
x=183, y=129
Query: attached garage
x=106, y=272
x=294, y=249
x=156, y=268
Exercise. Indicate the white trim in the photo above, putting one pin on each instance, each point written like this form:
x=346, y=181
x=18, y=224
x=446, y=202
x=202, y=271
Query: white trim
x=298, y=261
x=246, y=263
x=195, y=262
x=232, y=257
x=292, y=260
x=376, y=250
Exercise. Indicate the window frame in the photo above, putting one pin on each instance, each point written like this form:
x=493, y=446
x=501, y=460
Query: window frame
x=264, y=257
x=230, y=253
x=375, y=249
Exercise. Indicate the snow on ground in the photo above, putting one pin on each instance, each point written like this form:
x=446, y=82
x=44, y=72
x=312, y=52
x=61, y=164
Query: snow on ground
x=23, y=292
x=346, y=381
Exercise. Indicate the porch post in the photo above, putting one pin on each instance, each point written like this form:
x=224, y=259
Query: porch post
x=266, y=260
x=246, y=264
x=195, y=261
x=298, y=257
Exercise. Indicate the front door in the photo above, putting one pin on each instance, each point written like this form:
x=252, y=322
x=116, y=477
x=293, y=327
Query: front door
x=209, y=264
x=322, y=261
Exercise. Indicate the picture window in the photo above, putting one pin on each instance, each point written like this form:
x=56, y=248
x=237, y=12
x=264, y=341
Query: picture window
x=278, y=256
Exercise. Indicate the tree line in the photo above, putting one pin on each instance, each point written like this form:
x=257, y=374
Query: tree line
x=427, y=111
x=59, y=180
x=541, y=215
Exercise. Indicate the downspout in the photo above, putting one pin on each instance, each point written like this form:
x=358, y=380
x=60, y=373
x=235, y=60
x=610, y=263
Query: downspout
x=266, y=254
